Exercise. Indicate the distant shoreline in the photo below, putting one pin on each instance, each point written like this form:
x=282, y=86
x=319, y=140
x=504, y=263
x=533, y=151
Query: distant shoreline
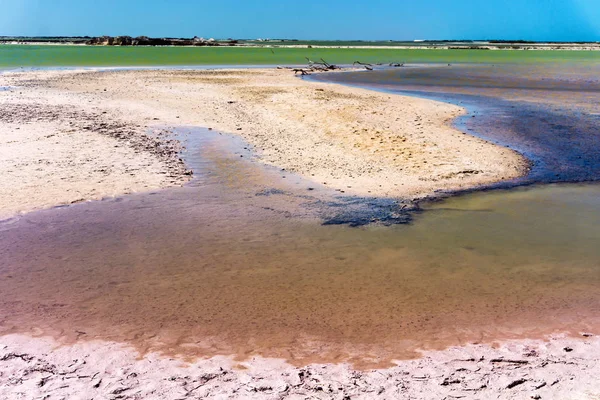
x=244, y=46
x=545, y=47
x=126, y=41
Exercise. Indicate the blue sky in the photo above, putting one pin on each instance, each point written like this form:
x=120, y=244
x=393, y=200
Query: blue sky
x=561, y=20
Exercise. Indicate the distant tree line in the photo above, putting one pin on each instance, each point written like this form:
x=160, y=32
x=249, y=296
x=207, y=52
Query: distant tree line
x=148, y=41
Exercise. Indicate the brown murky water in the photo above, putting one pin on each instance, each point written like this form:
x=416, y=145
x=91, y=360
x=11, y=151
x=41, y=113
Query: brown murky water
x=239, y=263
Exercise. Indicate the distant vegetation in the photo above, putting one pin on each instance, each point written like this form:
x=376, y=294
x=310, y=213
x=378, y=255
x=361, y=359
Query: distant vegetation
x=46, y=39
x=202, y=42
x=148, y=41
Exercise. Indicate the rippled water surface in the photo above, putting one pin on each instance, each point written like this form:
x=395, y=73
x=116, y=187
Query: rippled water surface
x=239, y=262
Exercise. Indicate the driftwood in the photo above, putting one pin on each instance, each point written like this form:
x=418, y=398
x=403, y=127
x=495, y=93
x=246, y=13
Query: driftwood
x=329, y=66
x=367, y=66
x=321, y=65
x=301, y=71
x=314, y=66
x=318, y=68
x=324, y=66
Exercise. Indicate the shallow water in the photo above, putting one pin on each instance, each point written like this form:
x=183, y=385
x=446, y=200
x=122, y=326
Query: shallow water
x=239, y=262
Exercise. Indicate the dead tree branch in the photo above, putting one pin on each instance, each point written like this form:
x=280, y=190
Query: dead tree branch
x=301, y=71
x=368, y=67
x=321, y=65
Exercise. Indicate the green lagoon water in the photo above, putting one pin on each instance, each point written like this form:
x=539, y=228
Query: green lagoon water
x=16, y=56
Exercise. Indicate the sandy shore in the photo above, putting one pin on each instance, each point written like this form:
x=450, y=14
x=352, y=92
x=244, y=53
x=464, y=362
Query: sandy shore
x=82, y=135
x=54, y=152
x=69, y=136
x=559, y=368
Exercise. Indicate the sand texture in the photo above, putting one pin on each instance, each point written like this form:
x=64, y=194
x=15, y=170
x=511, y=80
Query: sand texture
x=54, y=153
x=82, y=134
x=560, y=368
